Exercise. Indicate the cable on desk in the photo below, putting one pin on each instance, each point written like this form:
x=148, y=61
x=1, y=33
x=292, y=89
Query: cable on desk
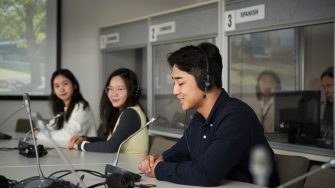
x=67, y=172
x=7, y=148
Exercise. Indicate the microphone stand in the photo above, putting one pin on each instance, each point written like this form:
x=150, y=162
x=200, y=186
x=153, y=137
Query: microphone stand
x=40, y=181
x=40, y=124
x=111, y=169
x=329, y=164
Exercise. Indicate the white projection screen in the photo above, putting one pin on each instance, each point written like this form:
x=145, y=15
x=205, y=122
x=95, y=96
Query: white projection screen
x=28, y=47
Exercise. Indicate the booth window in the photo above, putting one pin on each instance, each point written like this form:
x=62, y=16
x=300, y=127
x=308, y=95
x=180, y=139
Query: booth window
x=277, y=73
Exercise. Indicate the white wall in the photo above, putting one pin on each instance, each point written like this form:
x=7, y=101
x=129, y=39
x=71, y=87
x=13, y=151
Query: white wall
x=81, y=20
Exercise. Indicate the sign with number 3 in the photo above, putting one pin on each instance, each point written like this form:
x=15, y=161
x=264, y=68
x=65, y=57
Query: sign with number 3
x=229, y=21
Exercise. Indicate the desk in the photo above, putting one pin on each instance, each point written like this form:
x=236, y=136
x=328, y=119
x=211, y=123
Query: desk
x=18, y=167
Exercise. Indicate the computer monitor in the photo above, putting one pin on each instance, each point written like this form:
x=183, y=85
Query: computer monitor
x=297, y=113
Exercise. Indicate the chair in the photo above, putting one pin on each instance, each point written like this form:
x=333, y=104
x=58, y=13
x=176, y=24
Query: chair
x=324, y=178
x=290, y=167
x=23, y=125
x=159, y=144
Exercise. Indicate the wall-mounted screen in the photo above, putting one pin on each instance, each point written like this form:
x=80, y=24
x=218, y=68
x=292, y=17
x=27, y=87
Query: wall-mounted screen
x=28, y=47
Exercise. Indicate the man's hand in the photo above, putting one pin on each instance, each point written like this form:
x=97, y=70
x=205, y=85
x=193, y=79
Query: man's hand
x=148, y=164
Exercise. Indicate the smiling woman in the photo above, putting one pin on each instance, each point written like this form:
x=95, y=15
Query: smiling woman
x=28, y=47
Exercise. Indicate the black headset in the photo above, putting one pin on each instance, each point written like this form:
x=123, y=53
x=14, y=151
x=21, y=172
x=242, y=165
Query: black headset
x=137, y=91
x=204, y=81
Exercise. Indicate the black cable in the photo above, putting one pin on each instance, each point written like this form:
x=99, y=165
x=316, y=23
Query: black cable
x=188, y=147
x=67, y=172
x=7, y=148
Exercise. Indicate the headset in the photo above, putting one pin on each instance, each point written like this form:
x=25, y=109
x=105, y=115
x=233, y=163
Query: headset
x=137, y=91
x=204, y=81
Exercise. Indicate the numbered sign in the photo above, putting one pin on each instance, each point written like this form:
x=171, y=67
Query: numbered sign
x=229, y=21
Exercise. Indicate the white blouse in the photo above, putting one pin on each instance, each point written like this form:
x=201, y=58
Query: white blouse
x=81, y=123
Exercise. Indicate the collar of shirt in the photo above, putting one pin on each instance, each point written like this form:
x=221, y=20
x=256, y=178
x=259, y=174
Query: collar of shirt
x=222, y=99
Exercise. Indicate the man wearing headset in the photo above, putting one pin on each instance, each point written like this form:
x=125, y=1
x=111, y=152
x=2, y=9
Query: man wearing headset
x=218, y=142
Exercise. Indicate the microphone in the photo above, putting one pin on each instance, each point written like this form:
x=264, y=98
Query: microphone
x=113, y=169
x=329, y=164
x=260, y=165
x=36, y=181
x=49, y=120
x=26, y=101
x=41, y=125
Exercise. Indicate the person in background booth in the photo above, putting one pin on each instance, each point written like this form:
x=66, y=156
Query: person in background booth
x=327, y=81
x=121, y=115
x=218, y=142
x=66, y=99
x=268, y=83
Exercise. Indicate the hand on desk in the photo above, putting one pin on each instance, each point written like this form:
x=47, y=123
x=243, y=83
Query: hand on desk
x=74, y=141
x=36, y=132
x=148, y=164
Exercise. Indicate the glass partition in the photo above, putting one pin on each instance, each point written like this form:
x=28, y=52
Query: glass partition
x=278, y=73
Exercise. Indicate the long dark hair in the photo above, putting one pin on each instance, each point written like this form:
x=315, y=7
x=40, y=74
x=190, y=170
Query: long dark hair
x=58, y=105
x=110, y=114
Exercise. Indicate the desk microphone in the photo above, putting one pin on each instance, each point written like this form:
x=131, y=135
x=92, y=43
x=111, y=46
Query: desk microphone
x=329, y=164
x=49, y=120
x=260, y=165
x=41, y=125
x=36, y=181
x=114, y=169
x=28, y=150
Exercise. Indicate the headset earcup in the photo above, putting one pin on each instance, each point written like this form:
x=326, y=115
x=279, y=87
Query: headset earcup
x=4, y=181
x=203, y=83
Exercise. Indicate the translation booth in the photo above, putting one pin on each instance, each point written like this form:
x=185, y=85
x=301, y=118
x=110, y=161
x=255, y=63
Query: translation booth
x=280, y=49
x=274, y=55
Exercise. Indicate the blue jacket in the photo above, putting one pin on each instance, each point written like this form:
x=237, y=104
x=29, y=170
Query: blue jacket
x=217, y=149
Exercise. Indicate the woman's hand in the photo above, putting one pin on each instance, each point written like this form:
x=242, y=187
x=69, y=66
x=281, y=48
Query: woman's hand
x=74, y=141
x=36, y=132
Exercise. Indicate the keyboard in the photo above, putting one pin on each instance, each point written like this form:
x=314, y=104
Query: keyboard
x=4, y=136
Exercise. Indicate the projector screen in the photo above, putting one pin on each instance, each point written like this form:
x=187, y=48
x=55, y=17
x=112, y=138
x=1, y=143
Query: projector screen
x=28, y=47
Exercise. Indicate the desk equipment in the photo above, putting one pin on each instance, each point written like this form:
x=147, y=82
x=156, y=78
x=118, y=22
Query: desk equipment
x=41, y=125
x=36, y=181
x=297, y=113
x=114, y=169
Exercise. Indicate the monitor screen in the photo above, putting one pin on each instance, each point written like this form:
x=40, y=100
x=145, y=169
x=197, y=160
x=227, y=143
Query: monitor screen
x=298, y=114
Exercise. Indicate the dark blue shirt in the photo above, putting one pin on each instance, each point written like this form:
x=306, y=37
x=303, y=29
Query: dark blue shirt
x=217, y=149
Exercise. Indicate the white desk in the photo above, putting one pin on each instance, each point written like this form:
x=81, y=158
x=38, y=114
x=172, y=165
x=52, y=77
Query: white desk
x=18, y=167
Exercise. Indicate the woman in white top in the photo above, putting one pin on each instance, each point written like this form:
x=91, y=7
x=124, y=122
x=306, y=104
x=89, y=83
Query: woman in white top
x=66, y=99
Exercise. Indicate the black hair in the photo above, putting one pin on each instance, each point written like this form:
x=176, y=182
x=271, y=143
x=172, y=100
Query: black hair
x=192, y=60
x=273, y=75
x=328, y=72
x=58, y=105
x=110, y=114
